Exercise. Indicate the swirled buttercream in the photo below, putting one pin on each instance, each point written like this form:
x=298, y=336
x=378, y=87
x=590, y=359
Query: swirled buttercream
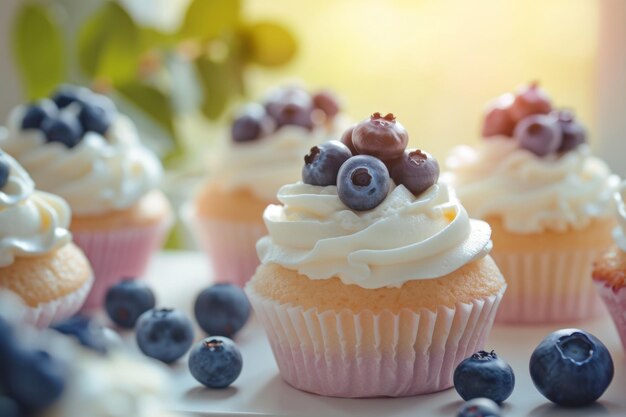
x=32, y=223
x=100, y=174
x=531, y=194
x=404, y=238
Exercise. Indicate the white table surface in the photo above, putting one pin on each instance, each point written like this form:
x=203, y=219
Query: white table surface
x=178, y=276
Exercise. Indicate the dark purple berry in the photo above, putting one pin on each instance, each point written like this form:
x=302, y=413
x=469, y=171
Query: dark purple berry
x=67, y=95
x=222, y=309
x=322, y=164
x=346, y=139
x=415, y=169
x=479, y=407
x=290, y=106
x=164, y=334
x=539, y=133
x=484, y=375
x=327, y=102
x=252, y=123
x=94, y=118
x=530, y=100
x=498, y=121
x=380, y=136
x=573, y=133
x=294, y=115
x=215, y=362
x=36, y=113
x=127, y=300
x=363, y=182
x=4, y=173
x=65, y=129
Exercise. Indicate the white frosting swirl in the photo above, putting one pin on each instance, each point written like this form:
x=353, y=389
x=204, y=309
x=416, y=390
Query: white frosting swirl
x=98, y=175
x=404, y=238
x=619, y=233
x=264, y=165
x=32, y=223
x=531, y=194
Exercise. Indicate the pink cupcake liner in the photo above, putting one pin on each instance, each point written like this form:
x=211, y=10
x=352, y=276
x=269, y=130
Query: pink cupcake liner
x=548, y=287
x=230, y=246
x=45, y=314
x=118, y=254
x=615, y=301
x=343, y=354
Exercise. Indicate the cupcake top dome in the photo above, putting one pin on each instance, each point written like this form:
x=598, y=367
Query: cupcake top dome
x=32, y=223
x=534, y=170
x=377, y=218
x=267, y=139
x=77, y=145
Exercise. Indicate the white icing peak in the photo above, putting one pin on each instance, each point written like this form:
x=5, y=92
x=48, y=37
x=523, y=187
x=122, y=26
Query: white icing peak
x=531, y=194
x=32, y=223
x=404, y=238
x=99, y=175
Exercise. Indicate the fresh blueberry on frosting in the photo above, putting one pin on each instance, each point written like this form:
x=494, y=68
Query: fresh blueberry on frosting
x=415, y=169
x=380, y=136
x=363, y=182
x=530, y=100
x=65, y=129
x=66, y=95
x=36, y=113
x=251, y=123
x=322, y=164
x=573, y=133
x=4, y=173
x=498, y=119
x=327, y=102
x=539, y=133
x=346, y=139
x=95, y=117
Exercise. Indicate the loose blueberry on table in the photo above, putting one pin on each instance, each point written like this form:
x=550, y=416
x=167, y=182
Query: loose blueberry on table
x=322, y=164
x=484, y=375
x=4, y=173
x=215, y=362
x=222, y=309
x=479, y=407
x=571, y=367
x=164, y=334
x=127, y=300
x=85, y=331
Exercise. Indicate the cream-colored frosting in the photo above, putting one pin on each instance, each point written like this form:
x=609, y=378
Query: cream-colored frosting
x=262, y=166
x=404, y=238
x=531, y=194
x=32, y=223
x=619, y=233
x=99, y=175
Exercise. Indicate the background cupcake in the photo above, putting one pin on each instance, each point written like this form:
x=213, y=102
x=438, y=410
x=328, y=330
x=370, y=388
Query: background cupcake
x=264, y=151
x=368, y=288
x=38, y=261
x=548, y=201
x=76, y=145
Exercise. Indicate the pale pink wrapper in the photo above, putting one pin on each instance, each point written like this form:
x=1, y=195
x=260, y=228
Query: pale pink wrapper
x=342, y=354
x=615, y=301
x=118, y=254
x=230, y=246
x=548, y=287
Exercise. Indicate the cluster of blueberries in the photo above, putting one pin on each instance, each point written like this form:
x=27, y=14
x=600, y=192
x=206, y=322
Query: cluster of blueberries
x=369, y=155
x=69, y=114
x=167, y=334
x=284, y=106
x=529, y=118
x=570, y=367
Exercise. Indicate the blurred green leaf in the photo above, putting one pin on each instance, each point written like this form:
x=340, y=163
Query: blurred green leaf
x=154, y=38
x=152, y=101
x=38, y=49
x=215, y=78
x=207, y=19
x=269, y=44
x=109, y=44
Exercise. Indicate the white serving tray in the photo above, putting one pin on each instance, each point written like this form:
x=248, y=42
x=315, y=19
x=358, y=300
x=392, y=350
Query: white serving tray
x=178, y=276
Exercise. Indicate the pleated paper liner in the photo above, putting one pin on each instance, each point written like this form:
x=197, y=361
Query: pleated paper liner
x=615, y=301
x=548, y=287
x=343, y=354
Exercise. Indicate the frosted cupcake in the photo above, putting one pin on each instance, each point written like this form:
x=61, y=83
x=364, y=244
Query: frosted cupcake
x=77, y=146
x=609, y=270
x=38, y=261
x=263, y=152
x=369, y=285
x=548, y=201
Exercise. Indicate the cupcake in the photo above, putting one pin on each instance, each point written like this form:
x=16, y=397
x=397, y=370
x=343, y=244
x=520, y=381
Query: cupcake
x=609, y=270
x=264, y=151
x=373, y=279
x=548, y=201
x=77, y=146
x=38, y=261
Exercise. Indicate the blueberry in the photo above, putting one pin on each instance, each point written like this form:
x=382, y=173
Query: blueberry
x=327, y=102
x=573, y=133
x=479, y=407
x=94, y=118
x=380, y=136
x=322, y=164
x=66, y=95
x=86, y=331
x=540, y=134
x=346, y=139
x=35, y=380
x=251, y=123
x=290, y=106
x=498, y=121
x=164, y=334
x=4, y=173
x=363, y=182
x=64, y=129
x=529, y=100
x=571, y=367
x=415, y=169
x=127, y=300
x=215, y=362
x=7, y=346
x=484, y=375
x=222, y=310
x=8, y=407
x=35, y=114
